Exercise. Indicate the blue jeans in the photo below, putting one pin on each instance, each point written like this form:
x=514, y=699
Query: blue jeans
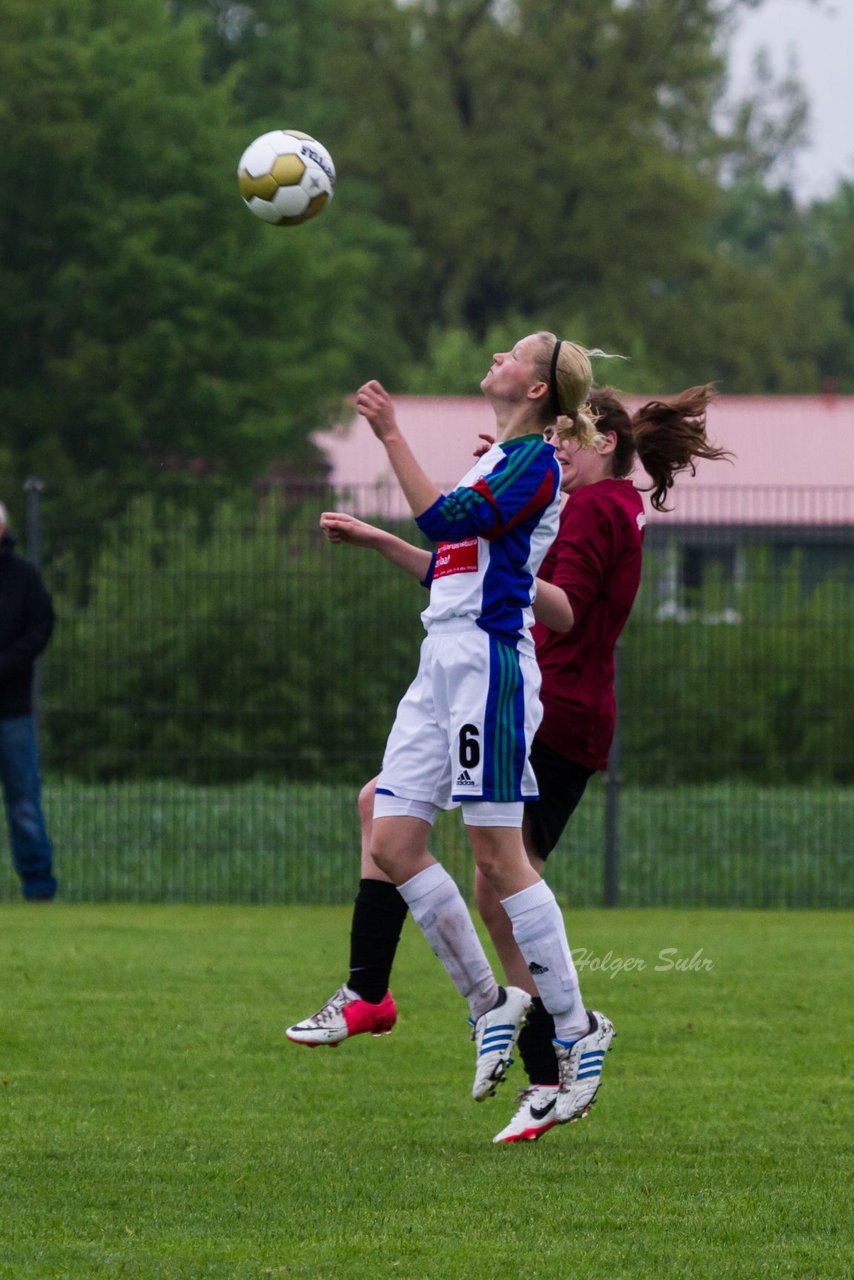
x=32, y=852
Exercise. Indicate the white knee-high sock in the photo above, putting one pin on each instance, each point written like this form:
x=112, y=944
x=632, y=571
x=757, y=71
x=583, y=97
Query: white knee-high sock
x=540, y=935
x=439, y=910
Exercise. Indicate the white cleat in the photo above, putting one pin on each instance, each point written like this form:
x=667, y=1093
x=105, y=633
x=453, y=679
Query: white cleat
x=580, y=1065
x=534, y=1116
x=495, y=1034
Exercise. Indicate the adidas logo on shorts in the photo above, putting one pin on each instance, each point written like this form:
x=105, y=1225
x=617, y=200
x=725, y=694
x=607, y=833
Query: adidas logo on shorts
x=465, y=779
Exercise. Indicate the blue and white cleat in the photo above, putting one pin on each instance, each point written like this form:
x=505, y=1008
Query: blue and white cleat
x=580, y=1065
x=495, y=1034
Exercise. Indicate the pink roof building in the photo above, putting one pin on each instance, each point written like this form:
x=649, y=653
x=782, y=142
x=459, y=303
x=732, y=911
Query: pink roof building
x=793, y=463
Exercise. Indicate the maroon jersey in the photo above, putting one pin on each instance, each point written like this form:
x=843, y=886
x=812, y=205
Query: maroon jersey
x=596, y=558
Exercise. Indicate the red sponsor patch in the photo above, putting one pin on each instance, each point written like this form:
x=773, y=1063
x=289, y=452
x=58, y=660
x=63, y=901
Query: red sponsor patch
x=456, y=557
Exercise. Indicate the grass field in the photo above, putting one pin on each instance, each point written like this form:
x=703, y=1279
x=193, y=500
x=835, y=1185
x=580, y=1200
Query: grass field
x=156, y=1124
x=730, y=844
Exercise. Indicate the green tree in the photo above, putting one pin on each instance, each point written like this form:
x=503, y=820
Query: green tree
x=571, y=165
x=548, y=156
x=767, y=305
x=148, y=321
x=277, y=49
x=829, y=235
x=549, y=160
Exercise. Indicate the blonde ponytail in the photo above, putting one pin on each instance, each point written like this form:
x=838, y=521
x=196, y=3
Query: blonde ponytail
x=579, y=425
x=565, y=367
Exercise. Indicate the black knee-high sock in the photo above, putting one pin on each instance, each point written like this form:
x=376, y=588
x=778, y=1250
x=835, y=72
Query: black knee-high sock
x=378, y=916
x=535, y=1045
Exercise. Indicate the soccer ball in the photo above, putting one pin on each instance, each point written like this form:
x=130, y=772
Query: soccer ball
x=286, y=177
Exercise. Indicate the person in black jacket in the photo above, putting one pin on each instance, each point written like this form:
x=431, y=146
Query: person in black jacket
x=26, y=623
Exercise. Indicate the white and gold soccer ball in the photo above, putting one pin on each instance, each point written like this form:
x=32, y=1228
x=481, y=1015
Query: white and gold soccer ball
x=286, y=177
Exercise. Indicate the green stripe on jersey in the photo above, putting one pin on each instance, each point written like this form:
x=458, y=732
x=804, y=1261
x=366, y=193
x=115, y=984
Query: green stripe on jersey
x=518, y=461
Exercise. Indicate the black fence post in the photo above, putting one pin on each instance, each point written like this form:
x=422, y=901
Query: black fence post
x=612, y=801
x=33, y=519
x=33, y=535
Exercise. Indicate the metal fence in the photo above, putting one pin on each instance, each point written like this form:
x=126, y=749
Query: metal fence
x=221, y=680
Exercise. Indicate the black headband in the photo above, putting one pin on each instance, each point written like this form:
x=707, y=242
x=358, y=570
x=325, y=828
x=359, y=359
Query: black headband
x=553, y=378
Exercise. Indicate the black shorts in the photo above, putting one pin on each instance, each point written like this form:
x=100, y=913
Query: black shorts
x=561, y=784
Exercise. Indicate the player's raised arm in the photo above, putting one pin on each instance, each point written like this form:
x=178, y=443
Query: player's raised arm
x=375, y=404
x=340, y=527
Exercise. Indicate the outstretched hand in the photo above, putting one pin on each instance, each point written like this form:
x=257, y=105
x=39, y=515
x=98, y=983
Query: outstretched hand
x=340, y=527
x=375, y=404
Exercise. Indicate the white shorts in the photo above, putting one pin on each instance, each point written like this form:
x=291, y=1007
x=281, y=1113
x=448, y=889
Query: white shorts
x=465, y=725
x=476, y=813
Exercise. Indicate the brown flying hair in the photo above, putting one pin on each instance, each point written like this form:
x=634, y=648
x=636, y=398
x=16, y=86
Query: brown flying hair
x=667, y=435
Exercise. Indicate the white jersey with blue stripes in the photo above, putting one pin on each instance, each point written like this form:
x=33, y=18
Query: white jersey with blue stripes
x=493, y=531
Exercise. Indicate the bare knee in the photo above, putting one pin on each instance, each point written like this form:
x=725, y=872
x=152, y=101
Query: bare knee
x=501, y=859
x=386, y=860
x=399, y=854
x=488, y=903
x=398, y=846
x=368, y=868
x=495, y=848
x=366, y=802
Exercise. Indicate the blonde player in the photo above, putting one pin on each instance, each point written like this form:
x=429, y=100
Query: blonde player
x=464, y=729
x=596, y=560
